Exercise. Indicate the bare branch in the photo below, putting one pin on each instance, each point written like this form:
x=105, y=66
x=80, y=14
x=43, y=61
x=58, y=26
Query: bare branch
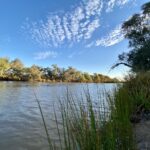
x=120, y=63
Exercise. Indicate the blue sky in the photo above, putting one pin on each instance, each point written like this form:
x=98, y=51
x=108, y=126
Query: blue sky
x=85, y=34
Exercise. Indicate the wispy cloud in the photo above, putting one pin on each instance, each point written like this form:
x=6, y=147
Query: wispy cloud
x=75, y=26
x=45, y=55
x=113, y=3
x=114, y=37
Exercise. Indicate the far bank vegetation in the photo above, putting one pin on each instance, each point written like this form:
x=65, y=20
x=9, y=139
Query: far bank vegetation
x=15, y=71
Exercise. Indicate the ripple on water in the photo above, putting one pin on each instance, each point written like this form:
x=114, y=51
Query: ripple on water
x=21, y=126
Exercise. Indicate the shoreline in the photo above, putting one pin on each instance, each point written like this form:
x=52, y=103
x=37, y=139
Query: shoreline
x=142, y=132
x=34, y=81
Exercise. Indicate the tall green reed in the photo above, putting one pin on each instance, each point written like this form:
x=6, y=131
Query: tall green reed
x=44, y=122
x=100, y=126
x=87, y=124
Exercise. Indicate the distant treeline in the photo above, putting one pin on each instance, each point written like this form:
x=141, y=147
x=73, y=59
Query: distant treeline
x=15, y=71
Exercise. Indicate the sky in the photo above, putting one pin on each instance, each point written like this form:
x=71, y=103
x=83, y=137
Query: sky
x=85, y=34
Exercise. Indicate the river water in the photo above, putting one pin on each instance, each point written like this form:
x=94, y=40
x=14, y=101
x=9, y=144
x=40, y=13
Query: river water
x=21, y=126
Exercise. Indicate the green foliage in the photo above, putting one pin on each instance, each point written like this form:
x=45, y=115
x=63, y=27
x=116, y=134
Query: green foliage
x=137, y=31
x=35, y=73
x=89, y=126
x=138, y=89
x=4, y=66
x=119, y=127
x=16, y=64
x=86, y=125
x=15, y=70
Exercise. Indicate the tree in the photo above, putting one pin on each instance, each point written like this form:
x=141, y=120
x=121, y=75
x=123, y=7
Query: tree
x=55, y=72
x=47, y=73
x=87, y=77
x=35, y=73
x=15, y=70
x=16, y=67
x=70, y=74
x=16, y=64
x=4, y=66
x=137, y=31
x=96, y=78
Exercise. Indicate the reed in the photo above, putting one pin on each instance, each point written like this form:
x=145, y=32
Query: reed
x=103, y=125
x=89, y=123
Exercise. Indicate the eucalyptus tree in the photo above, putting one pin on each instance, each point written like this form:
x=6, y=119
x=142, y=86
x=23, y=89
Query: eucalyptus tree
x=16, y=68
x=137, y=31
x=70, y=74
x=88, y=77
x=46, y=73
x=35, y=73
x=55, y=72
x=4, y=66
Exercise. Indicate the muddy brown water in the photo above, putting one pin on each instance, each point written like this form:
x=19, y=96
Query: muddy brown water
x=21, y=126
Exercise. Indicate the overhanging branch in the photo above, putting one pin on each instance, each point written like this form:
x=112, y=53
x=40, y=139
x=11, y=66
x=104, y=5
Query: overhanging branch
x=121, y=63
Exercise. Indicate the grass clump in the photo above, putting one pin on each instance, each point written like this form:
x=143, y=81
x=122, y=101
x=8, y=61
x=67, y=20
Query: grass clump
x=139, y=90
x=103, y=125
x=89, y=123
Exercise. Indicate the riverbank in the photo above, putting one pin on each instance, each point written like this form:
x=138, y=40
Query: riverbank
x=53, y=81
x=142, y=132
x=137, y=97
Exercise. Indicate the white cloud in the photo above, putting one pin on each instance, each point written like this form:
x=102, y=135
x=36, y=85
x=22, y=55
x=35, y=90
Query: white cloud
x=91, y=28
x=113, y=3
x=112, y=38
x=93, y=7
x=77, y=25
x=71, y=27
x=90, y=45
x=45, y=55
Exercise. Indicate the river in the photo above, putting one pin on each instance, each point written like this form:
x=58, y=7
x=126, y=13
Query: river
x=21, y=126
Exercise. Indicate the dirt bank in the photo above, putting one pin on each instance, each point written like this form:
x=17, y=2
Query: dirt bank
x=142, y=132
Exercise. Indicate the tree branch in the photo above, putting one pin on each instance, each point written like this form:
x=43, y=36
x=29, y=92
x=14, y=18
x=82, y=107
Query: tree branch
x=121, y=63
